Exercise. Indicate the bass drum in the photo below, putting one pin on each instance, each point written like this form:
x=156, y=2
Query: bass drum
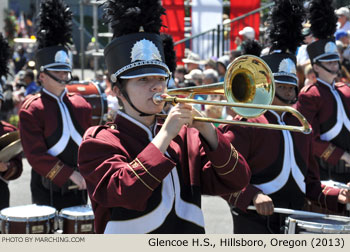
x=297, y=224
x=93, y=94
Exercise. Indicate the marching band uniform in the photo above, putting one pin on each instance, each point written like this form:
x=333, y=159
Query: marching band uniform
x=326, y=105
x=134, y=188
x=136, y=183
x=53, y=121
x=14, y=169
x=331, y=127
x=51, y=130
x=283, y=167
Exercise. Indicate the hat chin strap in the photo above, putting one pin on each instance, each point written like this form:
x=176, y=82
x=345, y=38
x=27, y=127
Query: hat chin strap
x=55, y=78
x=290, y=102
x=125, y=94
x=328, y=70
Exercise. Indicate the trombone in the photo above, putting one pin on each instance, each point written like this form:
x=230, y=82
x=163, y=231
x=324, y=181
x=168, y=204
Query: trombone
x=249, y=88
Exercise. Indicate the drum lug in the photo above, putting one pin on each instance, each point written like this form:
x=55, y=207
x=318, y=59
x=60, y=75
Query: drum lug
x=76, y=225
x=7, y=226
x=27, y=227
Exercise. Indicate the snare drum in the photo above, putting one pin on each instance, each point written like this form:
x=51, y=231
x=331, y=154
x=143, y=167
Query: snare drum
x=77, y=220
x=94, y=95
x=296, y=224
x=29, y=219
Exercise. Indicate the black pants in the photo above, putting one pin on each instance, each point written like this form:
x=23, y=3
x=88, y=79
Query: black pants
x=253, y=223
x=4, y=195
x=58, y=200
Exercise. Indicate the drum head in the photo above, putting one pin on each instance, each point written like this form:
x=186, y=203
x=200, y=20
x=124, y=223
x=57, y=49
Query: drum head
x=78, y=212
x=328, y=224
x=25, y=213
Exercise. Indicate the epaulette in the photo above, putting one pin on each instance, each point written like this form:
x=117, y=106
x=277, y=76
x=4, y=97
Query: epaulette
x=306, y=88
x=93, y=131
x=340, y=84
x=28, y=101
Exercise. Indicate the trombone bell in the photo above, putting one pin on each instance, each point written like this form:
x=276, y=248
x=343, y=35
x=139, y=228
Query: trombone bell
x=249, y=80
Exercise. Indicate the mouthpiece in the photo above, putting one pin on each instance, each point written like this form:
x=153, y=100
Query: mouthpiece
x=157, y=98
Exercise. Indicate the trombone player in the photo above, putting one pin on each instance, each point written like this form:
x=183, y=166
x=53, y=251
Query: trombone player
x=284, y=170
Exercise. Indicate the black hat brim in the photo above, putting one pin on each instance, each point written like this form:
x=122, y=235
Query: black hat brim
x=286, y=80
x=144, y=71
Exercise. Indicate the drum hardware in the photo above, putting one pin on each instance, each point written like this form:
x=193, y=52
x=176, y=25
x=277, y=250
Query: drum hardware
x=249, y=89
x=310, y=222
x=29, y=219
x=293, y=212
x=77, y=220
x=332, y=183
x=296, y=224
x=94, y=95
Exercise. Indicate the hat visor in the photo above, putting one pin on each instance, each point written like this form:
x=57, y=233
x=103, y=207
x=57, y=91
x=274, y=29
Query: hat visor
x=64, y=68
x=286, y=80
x=144, y=71
x=328, y=58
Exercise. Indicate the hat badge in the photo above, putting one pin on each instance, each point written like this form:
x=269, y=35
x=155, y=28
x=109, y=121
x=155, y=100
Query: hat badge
x=287, y=65
x=330, y=47
x=61, y=57
x=144, y=50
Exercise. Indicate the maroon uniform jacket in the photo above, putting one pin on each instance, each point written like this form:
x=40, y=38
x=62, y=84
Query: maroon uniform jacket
x=134, y=188
x=327, y=107
x=51, y=130
x=15, y=164
x=282, y=165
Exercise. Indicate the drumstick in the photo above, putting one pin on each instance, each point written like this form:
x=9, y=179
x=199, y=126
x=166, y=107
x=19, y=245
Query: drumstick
x=341, y=186
x=72, y=187
x=291, y=211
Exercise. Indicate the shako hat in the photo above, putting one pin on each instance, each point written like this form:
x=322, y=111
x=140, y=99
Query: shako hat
x=137, y=48
x=286, y=16
x=323, y=26
x=54, y=36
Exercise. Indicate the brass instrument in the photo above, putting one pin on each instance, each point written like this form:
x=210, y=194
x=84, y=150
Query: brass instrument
x=249, y=88
x=10, y=146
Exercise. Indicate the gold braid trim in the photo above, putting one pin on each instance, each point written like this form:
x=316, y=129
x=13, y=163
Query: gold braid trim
x=234, y=166
x=328, y=152
x=139, y=162
x=143, y=182
x=236, y=194
x=55, y=170
x=325, y=197
x=229, y=159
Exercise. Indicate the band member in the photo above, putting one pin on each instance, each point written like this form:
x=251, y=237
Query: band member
x=53, y=122
x=326, y=104
x=283, y=167
x=145, y=175
x=13, y=168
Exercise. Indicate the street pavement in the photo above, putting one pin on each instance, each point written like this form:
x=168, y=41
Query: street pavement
x=217, y=216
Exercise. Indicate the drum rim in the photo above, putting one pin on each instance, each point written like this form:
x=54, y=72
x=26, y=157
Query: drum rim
x=27, y=219
x=320, y=227
x=85, y=216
